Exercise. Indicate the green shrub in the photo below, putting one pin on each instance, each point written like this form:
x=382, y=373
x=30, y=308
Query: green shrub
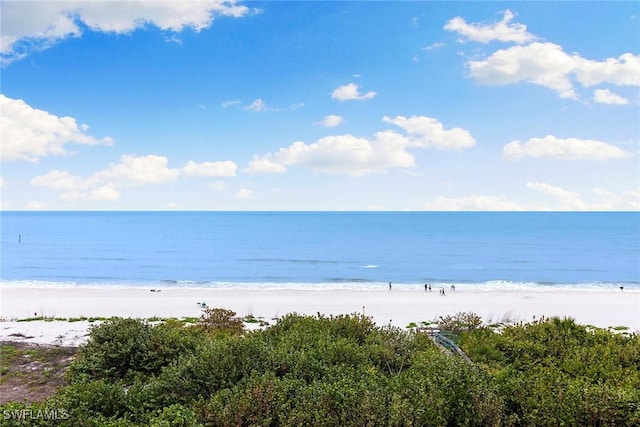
x=99, y=399
x=344, y=370
x=174, y=416
x=460, y=322
x=123, y=348
x=555, y=372
x=214, y=365
x=220, y=321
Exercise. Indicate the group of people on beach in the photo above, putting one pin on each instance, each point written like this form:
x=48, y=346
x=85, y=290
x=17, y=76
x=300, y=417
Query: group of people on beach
x=442, y=291
x=427, y=287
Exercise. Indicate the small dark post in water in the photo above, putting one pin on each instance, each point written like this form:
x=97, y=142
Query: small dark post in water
x=19, y=238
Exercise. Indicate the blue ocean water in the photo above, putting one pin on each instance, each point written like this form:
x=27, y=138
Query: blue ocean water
x=319, y=249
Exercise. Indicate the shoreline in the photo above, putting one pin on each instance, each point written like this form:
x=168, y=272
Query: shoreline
x=398, y=307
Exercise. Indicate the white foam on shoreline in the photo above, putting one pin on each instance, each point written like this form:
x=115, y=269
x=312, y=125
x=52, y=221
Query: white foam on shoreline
x=491, y=285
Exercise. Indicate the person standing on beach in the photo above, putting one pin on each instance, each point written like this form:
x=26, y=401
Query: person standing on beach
x=389, y=285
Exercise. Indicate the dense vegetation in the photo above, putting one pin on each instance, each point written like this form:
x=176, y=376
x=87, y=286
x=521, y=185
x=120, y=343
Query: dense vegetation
x=344, y=371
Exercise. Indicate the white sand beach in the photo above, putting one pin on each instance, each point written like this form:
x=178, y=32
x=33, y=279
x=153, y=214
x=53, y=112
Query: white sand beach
x=398, y=307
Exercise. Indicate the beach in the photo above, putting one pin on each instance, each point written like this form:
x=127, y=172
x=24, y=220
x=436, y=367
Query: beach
x=599, y=307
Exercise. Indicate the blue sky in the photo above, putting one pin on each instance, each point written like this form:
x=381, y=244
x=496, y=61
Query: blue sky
x=222, y=105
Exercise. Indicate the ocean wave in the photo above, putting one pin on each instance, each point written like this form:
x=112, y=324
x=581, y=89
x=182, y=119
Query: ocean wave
x=292, y=261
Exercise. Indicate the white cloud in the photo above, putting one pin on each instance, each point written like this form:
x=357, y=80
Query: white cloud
x=265, y=164
x=107, y=192
x=231, y=103
x=138, y=170
x=28, y=133
x=59, y=180
x=224, y=168
x=105, y=185
x=353, y=155
x=340, y=154
x=544, y=64
x=75, y=188
x=551, y=147
x=609, y=201
x=433, y=46
x=548, y=65
x=471, y=203
x=350, y=92
x=130, y=171
x=243, y=194
x=503, y=31
x=429, y=132
x=561, y=200
x=258, y=106
x=30, y=25
x=568, y=199
x=605, y=96
x=331, y=121
x=173, y=39
x=622, y=71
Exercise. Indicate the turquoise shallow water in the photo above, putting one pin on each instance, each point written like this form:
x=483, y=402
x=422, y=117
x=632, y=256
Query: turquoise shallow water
x=315, y=249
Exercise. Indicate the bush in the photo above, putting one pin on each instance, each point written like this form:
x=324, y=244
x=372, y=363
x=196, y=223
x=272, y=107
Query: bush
x=555, y=372
x=175, y=416
x=219, y=321
x=460, y=322
x=123, y=348
x=215, y=365
x=346, y=371
x=91, y=401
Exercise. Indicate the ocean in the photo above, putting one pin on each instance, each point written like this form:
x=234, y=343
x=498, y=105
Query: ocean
x=320, y=250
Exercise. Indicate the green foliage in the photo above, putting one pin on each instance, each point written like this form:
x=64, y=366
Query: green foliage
x=175, y=416
x=460, y=322
x=220, y=321
x=123, y=348
x=95, y=399
x=215, y=365
x=346, y=371
x=442, y=390
x=555, y=372
x=305, y=346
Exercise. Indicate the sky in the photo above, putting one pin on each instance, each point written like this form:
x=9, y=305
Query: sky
x=309, y=105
